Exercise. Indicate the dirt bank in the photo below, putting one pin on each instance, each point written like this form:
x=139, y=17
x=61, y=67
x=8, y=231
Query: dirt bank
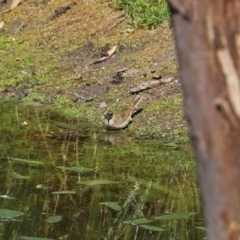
x=50, y=52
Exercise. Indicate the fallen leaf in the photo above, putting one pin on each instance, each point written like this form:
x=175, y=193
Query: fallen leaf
x=25, y=123
x=109, y=53
x=118, y=78
x=1, y=24
x=61, y=10
x=112, y=51
x=143, y=74
x=77, y=77
x=156, y=76
x=166, y=80
x=102, y=105
x=121, y=70
x=145, y=85
x=12, y=6
x=99, y=82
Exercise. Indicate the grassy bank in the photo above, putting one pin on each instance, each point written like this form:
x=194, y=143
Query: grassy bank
x=47, y=59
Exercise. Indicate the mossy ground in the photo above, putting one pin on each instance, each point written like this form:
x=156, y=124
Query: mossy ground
x=48, y=61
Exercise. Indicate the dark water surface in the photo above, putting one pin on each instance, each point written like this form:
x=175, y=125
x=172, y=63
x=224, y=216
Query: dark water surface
x=61, y=183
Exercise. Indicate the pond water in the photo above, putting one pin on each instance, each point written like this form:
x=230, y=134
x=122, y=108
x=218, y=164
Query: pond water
x=62, y=180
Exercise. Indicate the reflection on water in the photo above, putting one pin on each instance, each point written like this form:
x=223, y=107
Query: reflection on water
x=97, y=184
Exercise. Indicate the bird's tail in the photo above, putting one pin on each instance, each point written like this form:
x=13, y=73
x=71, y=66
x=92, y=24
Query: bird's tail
x=136, y=101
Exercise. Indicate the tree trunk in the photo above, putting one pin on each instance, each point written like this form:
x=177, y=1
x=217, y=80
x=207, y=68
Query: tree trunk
x=208, y=45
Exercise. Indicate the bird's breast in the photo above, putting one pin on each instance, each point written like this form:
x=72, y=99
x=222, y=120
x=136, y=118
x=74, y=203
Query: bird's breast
x=114, y=124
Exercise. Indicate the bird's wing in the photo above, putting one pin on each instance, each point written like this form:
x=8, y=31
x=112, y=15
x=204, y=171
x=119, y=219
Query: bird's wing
x=122, y=116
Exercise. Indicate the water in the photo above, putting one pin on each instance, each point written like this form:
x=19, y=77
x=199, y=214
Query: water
x=61, y=183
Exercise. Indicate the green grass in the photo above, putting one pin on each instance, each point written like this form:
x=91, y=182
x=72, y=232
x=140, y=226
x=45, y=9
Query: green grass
x=145, y=13
x=40, y=68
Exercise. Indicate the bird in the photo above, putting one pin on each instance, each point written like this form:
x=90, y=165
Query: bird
x=121, y=119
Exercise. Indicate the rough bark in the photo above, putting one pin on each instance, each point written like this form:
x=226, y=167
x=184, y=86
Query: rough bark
x=207, y=34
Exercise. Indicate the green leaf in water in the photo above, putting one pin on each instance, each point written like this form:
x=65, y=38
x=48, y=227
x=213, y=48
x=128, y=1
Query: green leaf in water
x=137, y=221
x=19, y=176
x=6, y=197
x=97, y=182
x=64, y=192
x=76, y=169
x=42, y=186
x=34, y=238
x=171, y=144
x=112, y=205
x=67, y=126
x=6, y=213
x=30, y=162
x=54, y=219
x=172, y=216
x=152, y=228
x=202, y=228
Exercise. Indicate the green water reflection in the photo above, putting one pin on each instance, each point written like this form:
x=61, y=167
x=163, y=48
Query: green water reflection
x=130, y=179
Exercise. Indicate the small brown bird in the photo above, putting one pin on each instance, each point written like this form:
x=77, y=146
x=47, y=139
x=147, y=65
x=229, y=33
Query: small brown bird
x=123, y=118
